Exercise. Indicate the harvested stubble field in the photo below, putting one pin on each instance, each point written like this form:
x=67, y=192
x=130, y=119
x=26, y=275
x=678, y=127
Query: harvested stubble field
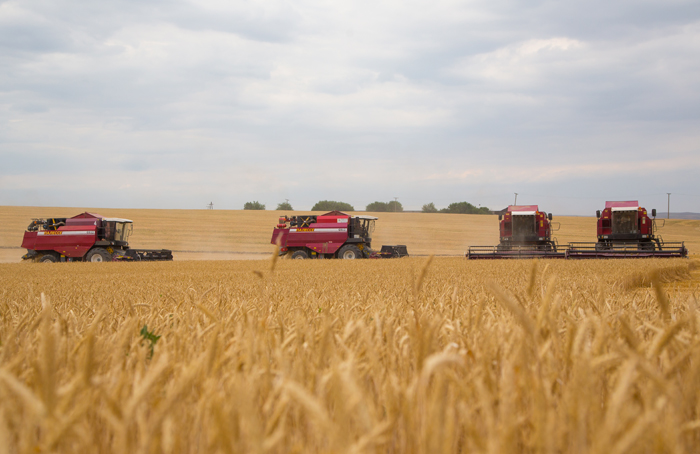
x=226, y=234
x=391, y=356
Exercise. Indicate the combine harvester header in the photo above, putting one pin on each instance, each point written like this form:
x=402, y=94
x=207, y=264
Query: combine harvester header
x=624, y=231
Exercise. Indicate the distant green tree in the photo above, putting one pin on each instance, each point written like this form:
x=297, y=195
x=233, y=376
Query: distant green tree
x=253, y=206
x=464, y=208
x=377, y=207
x=429, y=208
x=284, y=206
x=331, y=205
x=381, y=207
x=394, y=205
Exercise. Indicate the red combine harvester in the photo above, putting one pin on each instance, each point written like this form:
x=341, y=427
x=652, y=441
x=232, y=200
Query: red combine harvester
x=86, y=237
x=332, y=235
x=525, y=232
x=625, y=230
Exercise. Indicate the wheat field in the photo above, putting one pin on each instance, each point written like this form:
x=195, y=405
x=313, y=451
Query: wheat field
x=416, y=355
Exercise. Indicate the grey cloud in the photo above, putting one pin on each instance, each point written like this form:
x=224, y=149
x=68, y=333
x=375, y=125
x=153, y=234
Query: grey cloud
x=35, y=38
x=56, y=24
x=29, y=107
x=257, y=24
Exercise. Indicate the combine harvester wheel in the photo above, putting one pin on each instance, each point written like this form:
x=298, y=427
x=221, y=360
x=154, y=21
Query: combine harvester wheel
x=349, y=252
x=98, y=255
x=300, y=255
x=47, y=258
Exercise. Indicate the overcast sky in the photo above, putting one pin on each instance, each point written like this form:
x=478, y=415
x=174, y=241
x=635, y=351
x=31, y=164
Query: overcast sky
x=175, y=104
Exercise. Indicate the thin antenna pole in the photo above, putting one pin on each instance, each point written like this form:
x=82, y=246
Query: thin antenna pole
x=516, y=198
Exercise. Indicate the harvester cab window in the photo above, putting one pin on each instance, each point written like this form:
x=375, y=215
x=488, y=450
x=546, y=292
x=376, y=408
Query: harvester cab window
x=108, y=230
x=524, y=226
x=366, y=227
x=369, y=227
x=355, y=227
x=122, y=231
x=624, y=222
x=117, y=231
x=361, y=227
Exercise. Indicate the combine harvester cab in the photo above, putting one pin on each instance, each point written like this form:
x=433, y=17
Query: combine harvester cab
x=86, y=237
x=332, y=235
x=525, y=232
x=626, y=231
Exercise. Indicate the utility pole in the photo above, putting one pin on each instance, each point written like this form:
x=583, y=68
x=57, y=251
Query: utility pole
x=396, y=202
x=516, y=199
x=668, y=210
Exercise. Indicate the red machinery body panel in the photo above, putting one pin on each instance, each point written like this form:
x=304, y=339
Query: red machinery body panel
x=521, y=208
x=325, y=238
x=631, y=204
x=525, y=223
x=624, y=221
x=324, y=234
x=331, y=235
x=71, y=241
x=625, y=231
x=280, y=235
x=334, y=219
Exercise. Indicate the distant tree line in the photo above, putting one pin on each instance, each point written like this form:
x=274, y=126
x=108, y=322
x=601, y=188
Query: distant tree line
x=378, y=207
x=323, y=205
x=331, y=205
x=457, y=207
x=253, y=206
x=284, y=206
